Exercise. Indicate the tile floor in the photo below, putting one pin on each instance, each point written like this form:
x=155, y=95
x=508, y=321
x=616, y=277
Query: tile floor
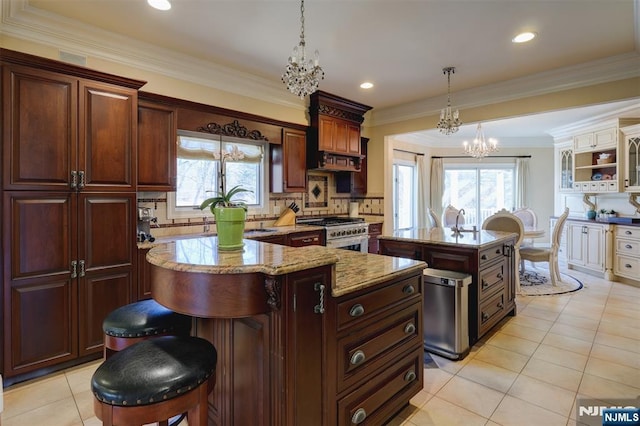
x=529, y=371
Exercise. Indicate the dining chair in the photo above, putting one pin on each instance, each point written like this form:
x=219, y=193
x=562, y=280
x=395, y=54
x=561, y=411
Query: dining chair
x=528, y=218
x=449, y=217
x=434, y=220
x=505, y=221
x=550, y=255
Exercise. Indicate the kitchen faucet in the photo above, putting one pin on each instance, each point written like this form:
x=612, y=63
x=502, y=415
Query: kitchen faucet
x=460, y=230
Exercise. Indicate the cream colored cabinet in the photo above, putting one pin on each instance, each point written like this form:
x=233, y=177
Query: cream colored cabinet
x=586, y=245
x=627, y=248
x=597, y=140
x=631, y=146
x=566, y=169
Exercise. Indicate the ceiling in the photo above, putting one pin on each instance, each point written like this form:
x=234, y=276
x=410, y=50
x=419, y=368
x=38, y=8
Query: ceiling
x=399, y=45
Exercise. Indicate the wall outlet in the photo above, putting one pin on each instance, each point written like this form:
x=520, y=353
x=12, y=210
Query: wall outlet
x=276, y=209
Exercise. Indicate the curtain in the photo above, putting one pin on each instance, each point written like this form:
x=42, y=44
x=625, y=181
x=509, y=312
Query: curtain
x=209, y=149
x=423, y=186
x=522, y=178
x=437, y=185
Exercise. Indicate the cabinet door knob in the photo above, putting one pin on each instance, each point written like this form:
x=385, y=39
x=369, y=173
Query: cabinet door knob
x=628, y=232
x=483, y=257
x=356, y=310
x=408, y=289
x=626, y=265
x=485, y=316
x=410, y=328
x=359, y=416
x=358, y=357
x=499, y=275
x=410, y=376
x=500, y=305
x=485, y=284
x=629, y=246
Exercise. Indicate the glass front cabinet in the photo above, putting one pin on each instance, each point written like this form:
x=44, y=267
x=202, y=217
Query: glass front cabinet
x=632, y=157
x=565, y=156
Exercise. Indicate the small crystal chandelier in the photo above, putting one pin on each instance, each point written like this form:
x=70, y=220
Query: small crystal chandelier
x=480, y=147
x=448, y=123
x=302, y=77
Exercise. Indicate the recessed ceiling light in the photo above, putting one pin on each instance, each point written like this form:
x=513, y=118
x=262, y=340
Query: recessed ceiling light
x=160, y=4
x=366, y=85
x=524, y=37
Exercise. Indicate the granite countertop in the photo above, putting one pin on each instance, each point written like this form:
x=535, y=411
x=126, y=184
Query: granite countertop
x=444, y=236
x=249, y=234
x=354, y=270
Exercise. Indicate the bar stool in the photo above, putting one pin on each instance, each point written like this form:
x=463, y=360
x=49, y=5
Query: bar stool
x=155, y=380
x=139, y=321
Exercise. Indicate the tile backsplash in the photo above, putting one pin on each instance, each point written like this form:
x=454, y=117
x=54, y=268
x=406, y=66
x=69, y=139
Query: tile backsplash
x=336, y=205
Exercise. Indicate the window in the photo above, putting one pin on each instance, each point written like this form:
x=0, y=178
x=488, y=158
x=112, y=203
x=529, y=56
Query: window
x=404, y=195
x=479, y=190
x=199, y=170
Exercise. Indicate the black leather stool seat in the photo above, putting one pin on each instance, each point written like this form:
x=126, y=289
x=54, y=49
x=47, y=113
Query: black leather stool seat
x=154, y=370
x=143, y=319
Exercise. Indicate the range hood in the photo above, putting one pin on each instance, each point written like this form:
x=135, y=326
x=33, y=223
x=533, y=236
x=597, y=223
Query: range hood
x=333, y=142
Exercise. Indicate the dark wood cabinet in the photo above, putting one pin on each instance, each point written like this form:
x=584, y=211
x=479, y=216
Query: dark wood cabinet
x=306, y=238
x=62, y=132
x=334, y=141
x=288, y=162
x=375, y=229
x=492, y=268
x=263, y=354
x=157, y=138
x=69, y=138
x=354, y=183
x=68, y=262
x=375, y=341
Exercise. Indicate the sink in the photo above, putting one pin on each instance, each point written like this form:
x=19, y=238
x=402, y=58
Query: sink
x=256, y=230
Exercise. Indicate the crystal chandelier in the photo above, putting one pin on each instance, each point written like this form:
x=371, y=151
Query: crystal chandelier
x=449, y=123
x=480, y=147
x=302, y=76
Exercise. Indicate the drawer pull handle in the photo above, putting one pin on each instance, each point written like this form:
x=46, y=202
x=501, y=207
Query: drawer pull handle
x=408, y=289
x=485, y=284
x=498, y=251
x=500, y=305
x=319, y=308
x=359, y=416
x=410, y=328
x=485, y=316
x=499, y=275
x=628, y=232
x=629, y=246
x=410, y=376
x=483, y=257
x=358, y=357
x=626, y=265
x=356, y=310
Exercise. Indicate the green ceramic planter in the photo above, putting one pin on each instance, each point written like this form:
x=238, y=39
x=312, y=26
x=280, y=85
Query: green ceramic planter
x=230, y=227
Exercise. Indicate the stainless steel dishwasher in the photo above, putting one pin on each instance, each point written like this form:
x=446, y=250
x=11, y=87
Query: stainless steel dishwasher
x=446, y=313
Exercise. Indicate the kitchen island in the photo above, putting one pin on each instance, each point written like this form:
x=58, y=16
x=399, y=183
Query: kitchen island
x=309, y=335
x=488, y=256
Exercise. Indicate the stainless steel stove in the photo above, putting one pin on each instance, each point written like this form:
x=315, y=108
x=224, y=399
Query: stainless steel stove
x=350, y=233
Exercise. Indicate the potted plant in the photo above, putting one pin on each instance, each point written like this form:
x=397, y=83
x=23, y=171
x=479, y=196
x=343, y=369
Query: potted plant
x=230, y=217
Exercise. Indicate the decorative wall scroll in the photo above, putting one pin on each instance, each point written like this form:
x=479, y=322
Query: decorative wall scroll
x=274, y=293
x=233, y=129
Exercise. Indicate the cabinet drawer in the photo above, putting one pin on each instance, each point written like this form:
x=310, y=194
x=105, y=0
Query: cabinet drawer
x=491, y=311
x=631, y=232
x=628, y=247
x=491, y=279
x=363, y=352
x=627, y=266
x=301, y=239
x=489, y=254
x=363, y=307
x=385, y=394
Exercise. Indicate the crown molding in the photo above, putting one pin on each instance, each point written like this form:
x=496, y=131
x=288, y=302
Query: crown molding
x=605, y=70
x=20, y=20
